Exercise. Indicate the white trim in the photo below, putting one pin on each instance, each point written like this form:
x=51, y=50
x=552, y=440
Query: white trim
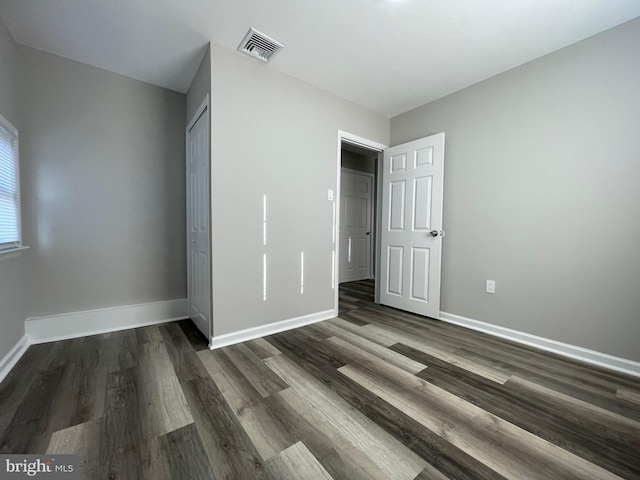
x=92, y=322
x=360, y=141
x=13, y=356
x=264, y=330
x=366, y=143
x=6, y=253
x=377, y=253
x=611, y=362
x=7, y=125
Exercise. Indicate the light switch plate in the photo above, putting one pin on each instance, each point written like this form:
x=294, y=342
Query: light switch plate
x=330, y=195
x=491, y=286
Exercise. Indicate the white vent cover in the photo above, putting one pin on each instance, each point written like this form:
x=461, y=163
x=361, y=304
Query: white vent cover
x=259, y=46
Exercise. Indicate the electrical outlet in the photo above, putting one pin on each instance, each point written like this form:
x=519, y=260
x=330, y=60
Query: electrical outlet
x=491, y=286
x=330, y=195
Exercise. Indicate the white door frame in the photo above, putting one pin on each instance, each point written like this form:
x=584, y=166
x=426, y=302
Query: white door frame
x=196, y=116
x=347, y=137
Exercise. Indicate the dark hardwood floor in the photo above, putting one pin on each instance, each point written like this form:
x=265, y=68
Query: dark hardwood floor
x=374, y=394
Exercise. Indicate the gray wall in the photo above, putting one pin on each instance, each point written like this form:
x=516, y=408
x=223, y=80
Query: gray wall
x=542, y=172
x=14, y=266
x=8, y=76
x=104, y=186
x=200, y=86
x=276, y=136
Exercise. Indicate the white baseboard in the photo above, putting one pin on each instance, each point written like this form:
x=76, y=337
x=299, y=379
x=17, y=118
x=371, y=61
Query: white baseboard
x=12, y=357
x=92, y=322
x=227, y=339
x=579, y=353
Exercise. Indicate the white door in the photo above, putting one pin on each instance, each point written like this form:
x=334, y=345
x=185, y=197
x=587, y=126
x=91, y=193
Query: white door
x=355, y=226
x=198, y=223
x=411, y=226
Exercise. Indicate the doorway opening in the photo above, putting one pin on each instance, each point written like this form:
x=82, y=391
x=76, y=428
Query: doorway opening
x=358, y=210
x=357, y=213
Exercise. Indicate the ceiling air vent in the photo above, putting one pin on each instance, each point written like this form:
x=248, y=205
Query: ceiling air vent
x=259, y=46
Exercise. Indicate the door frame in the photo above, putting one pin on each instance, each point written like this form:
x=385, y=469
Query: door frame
x=353, y=139
x=372, y=216
x=205, y=108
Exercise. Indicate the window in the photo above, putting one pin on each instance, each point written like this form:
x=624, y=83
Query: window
x=9, y=187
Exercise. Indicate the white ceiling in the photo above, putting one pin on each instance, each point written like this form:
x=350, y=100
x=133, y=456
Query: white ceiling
x=387, y=55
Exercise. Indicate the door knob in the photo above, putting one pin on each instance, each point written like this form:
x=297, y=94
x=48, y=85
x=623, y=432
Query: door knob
x=436, y=233
x=367, y=233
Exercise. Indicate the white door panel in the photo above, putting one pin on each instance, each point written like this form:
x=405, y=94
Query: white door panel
x=395, y=267
x=356, y=201
x=411, y=239
x=198, y=232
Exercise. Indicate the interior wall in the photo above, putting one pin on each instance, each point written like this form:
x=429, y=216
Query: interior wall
x=274, y=135
x=13, y=266
x=541, y=194
x=200, y=86
x=103, y=186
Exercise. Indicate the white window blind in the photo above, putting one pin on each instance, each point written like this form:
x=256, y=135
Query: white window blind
x=9, y=186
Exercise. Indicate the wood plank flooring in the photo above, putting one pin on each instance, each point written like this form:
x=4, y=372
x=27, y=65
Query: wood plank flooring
x=374, y=394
